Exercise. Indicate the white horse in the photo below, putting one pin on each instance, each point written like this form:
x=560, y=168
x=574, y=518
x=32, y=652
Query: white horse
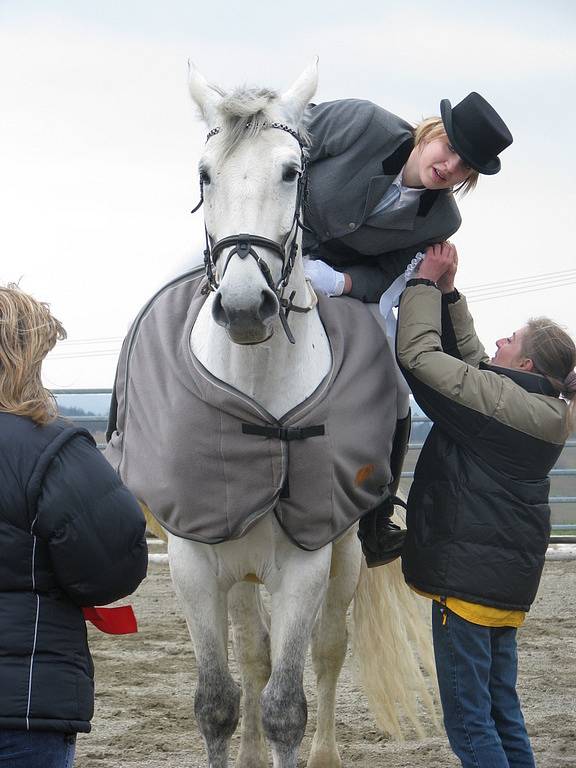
x=250, y=174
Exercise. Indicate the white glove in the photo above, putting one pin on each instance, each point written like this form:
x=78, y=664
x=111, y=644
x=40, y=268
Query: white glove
x=324, y=279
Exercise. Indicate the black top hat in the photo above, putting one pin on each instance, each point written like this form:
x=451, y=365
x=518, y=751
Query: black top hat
x=476, y=131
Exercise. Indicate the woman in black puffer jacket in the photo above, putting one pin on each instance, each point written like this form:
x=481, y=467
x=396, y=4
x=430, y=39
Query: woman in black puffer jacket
x=71, y=535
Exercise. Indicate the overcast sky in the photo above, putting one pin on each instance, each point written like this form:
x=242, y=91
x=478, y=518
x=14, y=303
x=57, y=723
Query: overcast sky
x=99, y=141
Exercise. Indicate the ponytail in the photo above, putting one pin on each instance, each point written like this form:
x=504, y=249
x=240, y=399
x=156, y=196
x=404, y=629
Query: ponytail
x=553, y=354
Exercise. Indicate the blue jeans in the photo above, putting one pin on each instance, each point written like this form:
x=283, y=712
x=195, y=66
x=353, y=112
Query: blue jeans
x=36, y=749
x=477, y=668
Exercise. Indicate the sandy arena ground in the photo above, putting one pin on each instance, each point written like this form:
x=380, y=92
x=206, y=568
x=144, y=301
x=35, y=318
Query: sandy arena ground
x=145, y=685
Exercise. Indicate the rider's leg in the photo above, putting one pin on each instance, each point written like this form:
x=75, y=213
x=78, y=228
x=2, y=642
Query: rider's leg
x=382, y=540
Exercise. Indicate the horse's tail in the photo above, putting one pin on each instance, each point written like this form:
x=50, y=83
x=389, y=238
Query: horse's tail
x=392, y=651
x=152, y=524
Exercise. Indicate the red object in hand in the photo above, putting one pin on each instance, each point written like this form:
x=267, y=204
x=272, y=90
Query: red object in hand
x=113, y=621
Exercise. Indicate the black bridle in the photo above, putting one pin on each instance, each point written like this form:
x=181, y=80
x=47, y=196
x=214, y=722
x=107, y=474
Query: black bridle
x=243, y=245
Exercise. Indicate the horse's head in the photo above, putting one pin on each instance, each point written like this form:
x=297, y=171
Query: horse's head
x=251, y=179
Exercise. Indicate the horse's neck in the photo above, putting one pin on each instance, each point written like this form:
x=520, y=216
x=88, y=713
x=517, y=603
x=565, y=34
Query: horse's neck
x=276, y=374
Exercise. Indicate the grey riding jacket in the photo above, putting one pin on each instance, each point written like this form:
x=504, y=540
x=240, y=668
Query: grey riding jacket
x=358, y=149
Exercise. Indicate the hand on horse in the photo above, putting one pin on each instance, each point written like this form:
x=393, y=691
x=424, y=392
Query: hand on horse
x=324, y=279
x=440, y=265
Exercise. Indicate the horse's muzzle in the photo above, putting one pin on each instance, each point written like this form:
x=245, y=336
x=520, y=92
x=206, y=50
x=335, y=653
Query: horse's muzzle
x=249, y=324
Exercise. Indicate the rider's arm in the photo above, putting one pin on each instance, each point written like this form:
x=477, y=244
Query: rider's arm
x=369, y=281
x=373, y=275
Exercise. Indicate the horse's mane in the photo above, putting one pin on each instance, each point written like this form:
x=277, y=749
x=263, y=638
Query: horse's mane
x=245, y=112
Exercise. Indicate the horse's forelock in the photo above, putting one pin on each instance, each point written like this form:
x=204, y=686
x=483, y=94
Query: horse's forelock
x=244, y=114
x=245, y=103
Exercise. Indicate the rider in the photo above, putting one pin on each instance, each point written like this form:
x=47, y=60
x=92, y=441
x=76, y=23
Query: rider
x=379, y=192
x=478, y=516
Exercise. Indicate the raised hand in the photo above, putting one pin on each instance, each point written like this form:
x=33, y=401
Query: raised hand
x=440, y=265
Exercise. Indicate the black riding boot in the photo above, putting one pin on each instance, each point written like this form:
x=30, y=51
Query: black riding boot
x=381, y=539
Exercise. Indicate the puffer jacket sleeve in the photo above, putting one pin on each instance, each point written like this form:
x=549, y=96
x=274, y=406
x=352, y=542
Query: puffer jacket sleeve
x=451, y=391
x=459, y=337
x=93, y=525
x=483, y=410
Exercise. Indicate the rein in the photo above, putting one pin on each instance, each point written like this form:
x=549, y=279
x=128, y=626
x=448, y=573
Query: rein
x=243, y=244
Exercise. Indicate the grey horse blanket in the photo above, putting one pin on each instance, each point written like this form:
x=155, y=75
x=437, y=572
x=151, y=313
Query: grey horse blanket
x=209, y=461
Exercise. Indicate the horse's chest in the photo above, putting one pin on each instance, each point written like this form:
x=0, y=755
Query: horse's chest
x=275, y=374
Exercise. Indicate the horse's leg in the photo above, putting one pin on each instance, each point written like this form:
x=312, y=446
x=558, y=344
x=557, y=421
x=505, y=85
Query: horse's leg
x=297, y=589
x=329, y=642
x=252, y=649
x=204, y=603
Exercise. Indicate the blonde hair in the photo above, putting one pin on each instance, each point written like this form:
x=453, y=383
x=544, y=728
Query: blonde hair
x=553, y=354
x=28, y=331
x=432, y=128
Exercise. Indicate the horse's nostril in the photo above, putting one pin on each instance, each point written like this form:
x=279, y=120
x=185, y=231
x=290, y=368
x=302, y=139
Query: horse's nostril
x=269, y=306
x=218, y=311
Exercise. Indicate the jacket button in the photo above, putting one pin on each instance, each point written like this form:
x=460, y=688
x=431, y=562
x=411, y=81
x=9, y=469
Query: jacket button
x=327, y=234
x=351, y=225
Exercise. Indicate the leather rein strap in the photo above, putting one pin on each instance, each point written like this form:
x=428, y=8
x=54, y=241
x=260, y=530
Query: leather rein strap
x=243, y=244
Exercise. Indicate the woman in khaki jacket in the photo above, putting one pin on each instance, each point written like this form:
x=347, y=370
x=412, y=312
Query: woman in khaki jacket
x=478, y=516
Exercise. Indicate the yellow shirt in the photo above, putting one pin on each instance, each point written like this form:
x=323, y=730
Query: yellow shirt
x=479, y=614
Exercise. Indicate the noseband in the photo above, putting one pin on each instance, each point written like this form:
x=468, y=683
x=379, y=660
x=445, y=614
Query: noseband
x=244, y=245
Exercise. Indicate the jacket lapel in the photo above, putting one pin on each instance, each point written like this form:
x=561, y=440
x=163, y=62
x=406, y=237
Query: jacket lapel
x=402, y=218
x=427, y=200
x=393, y=164
x=391, y=167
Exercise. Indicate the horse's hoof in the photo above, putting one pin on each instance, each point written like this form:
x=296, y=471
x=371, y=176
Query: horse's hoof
x=250, y=758
x=324, y=757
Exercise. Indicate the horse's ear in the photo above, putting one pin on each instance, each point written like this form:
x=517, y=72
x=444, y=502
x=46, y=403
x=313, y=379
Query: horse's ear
x=205, y=96
x=298, y=96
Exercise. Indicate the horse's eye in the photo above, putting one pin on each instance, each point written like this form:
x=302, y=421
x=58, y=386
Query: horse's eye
x=290, y=174
x=204, y=176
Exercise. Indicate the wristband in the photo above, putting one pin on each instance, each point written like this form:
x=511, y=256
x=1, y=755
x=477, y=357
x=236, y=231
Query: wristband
x=421, y=281
x=452, y=297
